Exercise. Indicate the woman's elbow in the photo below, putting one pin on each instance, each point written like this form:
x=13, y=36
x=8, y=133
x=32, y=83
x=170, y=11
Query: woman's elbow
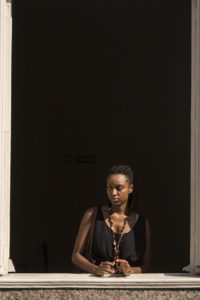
x=74, y=257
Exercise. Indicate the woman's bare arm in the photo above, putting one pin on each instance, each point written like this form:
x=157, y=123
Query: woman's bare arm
x=78, y=259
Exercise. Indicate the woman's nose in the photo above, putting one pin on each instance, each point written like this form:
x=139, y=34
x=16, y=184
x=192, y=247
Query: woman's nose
x=114, y=191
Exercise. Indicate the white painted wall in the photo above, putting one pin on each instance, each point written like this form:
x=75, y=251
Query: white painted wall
x=5, y=130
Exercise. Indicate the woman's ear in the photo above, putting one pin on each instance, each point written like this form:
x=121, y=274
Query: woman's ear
x=131, y=187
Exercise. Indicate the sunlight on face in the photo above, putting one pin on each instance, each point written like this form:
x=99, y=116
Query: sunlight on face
x=118, y=189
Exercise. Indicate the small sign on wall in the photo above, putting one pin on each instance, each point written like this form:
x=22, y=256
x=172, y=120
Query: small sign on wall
x=80, y=159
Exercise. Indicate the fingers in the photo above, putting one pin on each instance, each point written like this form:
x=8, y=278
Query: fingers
x=106, y=267
x=127, y=273
x=124, y=267
x=107, y=263
x=122, y=261
x=102, y=273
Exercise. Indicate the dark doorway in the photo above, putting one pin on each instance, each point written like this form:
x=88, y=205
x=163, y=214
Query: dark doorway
x=97, y=83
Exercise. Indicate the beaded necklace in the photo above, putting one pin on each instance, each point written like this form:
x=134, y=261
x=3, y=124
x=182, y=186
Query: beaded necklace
x=115, y=242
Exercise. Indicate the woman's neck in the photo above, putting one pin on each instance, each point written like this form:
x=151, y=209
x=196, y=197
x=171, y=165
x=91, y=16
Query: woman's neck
x=120, y=210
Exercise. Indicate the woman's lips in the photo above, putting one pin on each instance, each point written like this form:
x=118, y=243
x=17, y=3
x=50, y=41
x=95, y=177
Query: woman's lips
x=115, y=199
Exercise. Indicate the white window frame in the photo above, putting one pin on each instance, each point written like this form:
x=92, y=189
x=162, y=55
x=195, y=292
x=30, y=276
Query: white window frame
x=194, y=266
x=5, y=131
x=143, y=280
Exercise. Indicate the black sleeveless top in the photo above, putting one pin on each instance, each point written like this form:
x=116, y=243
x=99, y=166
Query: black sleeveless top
x=132, y=246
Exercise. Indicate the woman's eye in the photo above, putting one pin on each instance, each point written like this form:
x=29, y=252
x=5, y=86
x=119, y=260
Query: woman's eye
x=119, y=188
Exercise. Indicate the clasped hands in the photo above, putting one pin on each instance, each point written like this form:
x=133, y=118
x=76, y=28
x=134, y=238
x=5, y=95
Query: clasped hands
x=107, y=267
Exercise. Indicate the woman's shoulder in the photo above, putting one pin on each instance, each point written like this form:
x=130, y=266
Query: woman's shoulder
x=95, y=210
x=138, y=215
x=88, y=215
x=142, y=222
x=90, y=210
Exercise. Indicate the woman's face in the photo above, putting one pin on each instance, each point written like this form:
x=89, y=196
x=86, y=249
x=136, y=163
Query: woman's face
x=118, y=189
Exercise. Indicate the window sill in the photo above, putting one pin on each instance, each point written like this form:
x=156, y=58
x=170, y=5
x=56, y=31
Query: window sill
x=85, y=281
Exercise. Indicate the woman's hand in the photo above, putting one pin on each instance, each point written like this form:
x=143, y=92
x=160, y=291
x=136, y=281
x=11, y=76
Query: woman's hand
x=105, y=268
x=126, y=269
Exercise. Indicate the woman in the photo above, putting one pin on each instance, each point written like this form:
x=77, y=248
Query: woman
x=121, y=242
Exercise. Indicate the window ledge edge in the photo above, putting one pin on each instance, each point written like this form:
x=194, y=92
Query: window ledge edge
x=89, y=281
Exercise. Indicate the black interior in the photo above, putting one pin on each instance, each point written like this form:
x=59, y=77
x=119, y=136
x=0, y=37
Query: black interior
x=96, y=83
